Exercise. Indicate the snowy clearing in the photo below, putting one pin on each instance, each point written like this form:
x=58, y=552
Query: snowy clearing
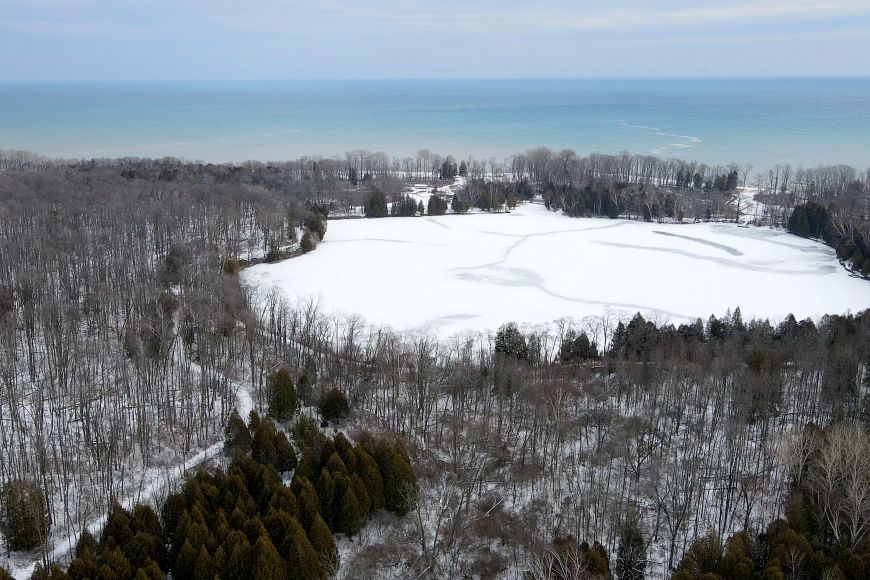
x=456, y=273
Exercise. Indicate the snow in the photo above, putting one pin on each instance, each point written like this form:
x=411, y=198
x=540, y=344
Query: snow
x=155, y=484
x=454, y=273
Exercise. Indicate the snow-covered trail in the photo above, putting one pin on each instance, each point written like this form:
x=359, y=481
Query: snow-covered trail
x=155, y=485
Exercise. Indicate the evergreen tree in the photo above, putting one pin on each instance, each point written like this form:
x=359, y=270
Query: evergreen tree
x=40, y=573
x=283, y=400
x=151, y=571
x=238, y=559
x=324, y=544
x=509, y=341
x=333, y=405
x=87, y=543
x=376, y=204
x=316, y=222
x=24, y=517
x=302, y=560
x=309, y=242
x=266, y=561
x=117, y=531
x=204, y=568
x=631, y=553
x=400, y=482
x=185, y=563
x=237, y=437
x=349, y=517
x=437, y=205
x=285, y=457
x=115, y=566
x=83, y=566
x=308, y=501
x=371, y=477
x=263, y=443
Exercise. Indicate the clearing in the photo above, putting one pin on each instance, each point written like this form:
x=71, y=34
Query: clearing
x=456, y=273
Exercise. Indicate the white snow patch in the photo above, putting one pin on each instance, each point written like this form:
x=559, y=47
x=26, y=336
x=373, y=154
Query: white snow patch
x=454, y=273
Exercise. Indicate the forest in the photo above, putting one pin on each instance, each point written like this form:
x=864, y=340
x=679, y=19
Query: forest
x=159, y=417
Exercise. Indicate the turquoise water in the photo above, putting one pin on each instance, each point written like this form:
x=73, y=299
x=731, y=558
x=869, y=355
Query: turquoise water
x=763, y=122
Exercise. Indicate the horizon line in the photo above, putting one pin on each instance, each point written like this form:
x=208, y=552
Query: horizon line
x=861, y=76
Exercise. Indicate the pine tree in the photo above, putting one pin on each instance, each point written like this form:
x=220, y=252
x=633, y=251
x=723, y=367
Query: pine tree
x=151, y=571
x=285, y=457
x=306, y=496
x=371, y=476
x=204, y=568
x=266, y=561
x=185, y=563
x=238, y=559
x=510, y=341
x=253, y=421
x=84, y=566
x=376, y=204
x=86, y=543
x=117, y=565
x=283, y=400
x=324, y=544
x=40, y=573
x=302, y=561
x=326, y=493
x=24, y=518
x=400, y=483
x=263, y=443
x=117, y=531
x=437, y=205
x=237, y=436
x=308, y=242
x=333, y=405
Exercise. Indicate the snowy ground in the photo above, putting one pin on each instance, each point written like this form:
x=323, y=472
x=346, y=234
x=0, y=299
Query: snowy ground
x=455, y=273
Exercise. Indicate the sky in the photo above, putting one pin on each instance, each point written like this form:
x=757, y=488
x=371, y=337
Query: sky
x=324, y=39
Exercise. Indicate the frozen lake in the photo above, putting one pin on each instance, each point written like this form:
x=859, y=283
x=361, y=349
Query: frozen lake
x=474, y=272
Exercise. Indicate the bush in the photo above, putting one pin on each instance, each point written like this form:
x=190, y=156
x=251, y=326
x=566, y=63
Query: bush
x=24, y=518
x=333, y=405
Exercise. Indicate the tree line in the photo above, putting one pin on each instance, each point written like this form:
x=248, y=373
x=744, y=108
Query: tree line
x=128, y=341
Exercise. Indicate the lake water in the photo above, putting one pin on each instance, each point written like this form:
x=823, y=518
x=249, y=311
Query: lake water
x=759, y=121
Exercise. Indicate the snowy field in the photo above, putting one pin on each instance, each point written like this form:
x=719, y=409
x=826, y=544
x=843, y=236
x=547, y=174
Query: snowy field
x=457, y=273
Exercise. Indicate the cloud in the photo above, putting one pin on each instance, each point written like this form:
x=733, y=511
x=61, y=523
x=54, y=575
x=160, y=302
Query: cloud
x=711, y=14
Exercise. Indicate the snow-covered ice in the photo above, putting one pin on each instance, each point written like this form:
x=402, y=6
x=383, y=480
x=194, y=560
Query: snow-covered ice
x=474, y=272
